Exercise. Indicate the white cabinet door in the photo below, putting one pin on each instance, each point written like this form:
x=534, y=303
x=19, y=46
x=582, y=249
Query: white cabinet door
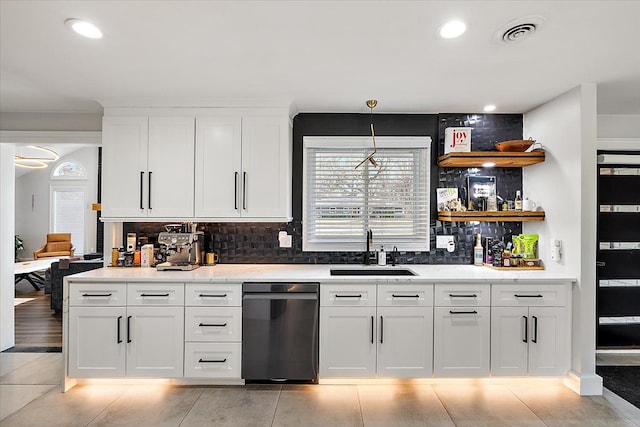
x=266, y=162
x=461, y=341
x=124, y=167
x=218, y=167
x=156, y=336
x=97, y=342
x=405, y=341
x=171, y=167
x=549, y=339
x=509, y=340
x=347, y=342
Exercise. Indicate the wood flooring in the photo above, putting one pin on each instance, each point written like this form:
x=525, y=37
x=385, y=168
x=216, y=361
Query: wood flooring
x=37, y=327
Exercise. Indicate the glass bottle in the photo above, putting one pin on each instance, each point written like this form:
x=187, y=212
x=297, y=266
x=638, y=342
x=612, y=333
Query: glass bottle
x=518, y=201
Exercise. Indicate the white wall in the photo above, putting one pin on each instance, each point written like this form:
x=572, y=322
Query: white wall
x=7, y=212
x=32, y=202
x=618, y=126
x=565, y=186
x=50, y=121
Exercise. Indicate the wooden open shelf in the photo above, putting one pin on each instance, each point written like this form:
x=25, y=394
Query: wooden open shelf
x=500, y=158
x=537, y=267
x=491, y=216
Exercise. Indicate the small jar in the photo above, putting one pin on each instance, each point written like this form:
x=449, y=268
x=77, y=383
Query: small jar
x=136, y=258
x=128, y=259
x=114, y=257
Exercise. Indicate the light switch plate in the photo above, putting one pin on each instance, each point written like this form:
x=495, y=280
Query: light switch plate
x=284, y=239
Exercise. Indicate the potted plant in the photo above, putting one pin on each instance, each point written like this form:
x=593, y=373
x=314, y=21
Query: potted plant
x=19, y=246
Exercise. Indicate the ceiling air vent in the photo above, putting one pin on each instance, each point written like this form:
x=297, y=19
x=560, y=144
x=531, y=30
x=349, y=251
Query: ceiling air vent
x=519, y=29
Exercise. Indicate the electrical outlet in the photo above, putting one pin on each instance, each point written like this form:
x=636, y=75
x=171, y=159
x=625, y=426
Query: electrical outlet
x=284, y=239
x=556, y=250
x=446, y=242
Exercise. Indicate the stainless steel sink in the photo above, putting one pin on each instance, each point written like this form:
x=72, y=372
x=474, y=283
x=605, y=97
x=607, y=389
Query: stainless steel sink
x=371, y=272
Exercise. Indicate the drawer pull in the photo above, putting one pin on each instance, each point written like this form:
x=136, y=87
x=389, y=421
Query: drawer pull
x=527, y=296
x=211, y=361
x=463, y=296
x=404, y=296
x=154, y=295
x=349, y=296
x=212, y=295
x=463, y=312
x=96, y=295
x=218, y=325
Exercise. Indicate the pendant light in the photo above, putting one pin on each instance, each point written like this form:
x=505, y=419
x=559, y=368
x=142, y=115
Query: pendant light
x=371, y=103
x=39, y=158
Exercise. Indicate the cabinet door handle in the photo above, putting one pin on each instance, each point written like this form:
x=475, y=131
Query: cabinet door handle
x=371, y=329
x=535, y=330
x=154, y=295
x=96, y=295
x=119, y=338
x=128, y=329
x=348, y=296
x=235, y=191
x=141, y=180
x=404, y=296
x=219, y=325
x=463, y=312
x=149, y=190
x=526, y=329
x=381, y=330
x=244, y=190
x=211, y=361
x=527, y=296
x=463, y=296
x=212, y=296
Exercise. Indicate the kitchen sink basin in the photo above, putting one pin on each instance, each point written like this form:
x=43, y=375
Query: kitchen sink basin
x=371, y=272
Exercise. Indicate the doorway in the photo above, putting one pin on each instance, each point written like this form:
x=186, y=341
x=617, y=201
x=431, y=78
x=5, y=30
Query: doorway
x=618, y=250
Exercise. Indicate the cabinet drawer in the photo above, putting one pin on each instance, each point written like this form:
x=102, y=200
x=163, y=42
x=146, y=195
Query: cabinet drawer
x=464, y=295
x=157, y=294
x=212, y=360
x=213, y=324
x=529, y=295
x=97, y=294
x=348, y=294
x=213, y=295
x=405, y=295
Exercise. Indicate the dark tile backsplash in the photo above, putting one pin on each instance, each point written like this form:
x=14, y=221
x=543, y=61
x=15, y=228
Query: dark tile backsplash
x=243, y=243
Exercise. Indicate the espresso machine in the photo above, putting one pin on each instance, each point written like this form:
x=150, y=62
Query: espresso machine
x=180, y=249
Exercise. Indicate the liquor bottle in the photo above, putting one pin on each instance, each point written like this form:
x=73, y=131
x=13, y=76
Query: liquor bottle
x=477, y=252
x=518, y=201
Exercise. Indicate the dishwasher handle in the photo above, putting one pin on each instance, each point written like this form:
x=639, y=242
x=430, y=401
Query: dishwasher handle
x=279, y=296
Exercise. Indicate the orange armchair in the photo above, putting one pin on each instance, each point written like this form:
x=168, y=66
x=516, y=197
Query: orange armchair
x=58, y=244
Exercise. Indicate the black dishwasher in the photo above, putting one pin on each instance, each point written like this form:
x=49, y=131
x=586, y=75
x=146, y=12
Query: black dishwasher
x=280, y=331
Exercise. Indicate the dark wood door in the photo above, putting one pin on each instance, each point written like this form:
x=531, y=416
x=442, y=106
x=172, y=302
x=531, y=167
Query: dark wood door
x=618, y=253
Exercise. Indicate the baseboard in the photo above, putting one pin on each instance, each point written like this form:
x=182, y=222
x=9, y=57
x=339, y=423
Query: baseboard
x=584, y=385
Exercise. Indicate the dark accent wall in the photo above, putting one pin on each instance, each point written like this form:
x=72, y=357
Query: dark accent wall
x=258, y=242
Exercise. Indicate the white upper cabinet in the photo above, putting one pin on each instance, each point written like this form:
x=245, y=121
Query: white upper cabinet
x=170, y=176
x=218, y=166
x=125, y=142
x=147, y=167
x=197, y=164
x=243, y=168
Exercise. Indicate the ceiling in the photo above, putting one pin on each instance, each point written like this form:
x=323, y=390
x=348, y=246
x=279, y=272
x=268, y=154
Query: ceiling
x=321, y=56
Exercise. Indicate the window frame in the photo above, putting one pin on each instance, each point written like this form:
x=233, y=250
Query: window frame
x=365, y=143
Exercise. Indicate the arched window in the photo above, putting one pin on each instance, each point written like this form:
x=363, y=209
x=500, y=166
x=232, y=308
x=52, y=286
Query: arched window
x=69, y=170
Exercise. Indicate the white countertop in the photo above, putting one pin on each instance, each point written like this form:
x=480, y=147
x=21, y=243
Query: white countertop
x=238, y=273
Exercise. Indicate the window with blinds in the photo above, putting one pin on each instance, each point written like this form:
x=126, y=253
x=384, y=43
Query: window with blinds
x=341, y=202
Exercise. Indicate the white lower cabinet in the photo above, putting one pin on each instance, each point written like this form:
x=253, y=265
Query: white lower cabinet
x=347, y=341
x=405, y=342
x=213, y=331
x=531, y=338
x=358, y=339
x=461, y=332
x=135, y=341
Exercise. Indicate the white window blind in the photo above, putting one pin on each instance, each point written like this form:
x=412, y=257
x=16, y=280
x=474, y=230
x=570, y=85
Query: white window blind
x=340, y=202
x=68, y=210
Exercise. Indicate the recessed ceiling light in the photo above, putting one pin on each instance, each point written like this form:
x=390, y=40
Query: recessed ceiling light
x=452, y=29
x=84, y=28
x=489, y=108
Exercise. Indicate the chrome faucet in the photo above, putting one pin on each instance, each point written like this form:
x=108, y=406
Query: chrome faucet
x=367, y=254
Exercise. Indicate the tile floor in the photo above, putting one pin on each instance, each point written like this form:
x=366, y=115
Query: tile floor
x=30, y=396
